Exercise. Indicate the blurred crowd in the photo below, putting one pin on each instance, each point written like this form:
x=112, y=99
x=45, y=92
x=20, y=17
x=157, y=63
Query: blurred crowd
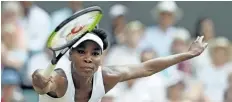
x=206, y=78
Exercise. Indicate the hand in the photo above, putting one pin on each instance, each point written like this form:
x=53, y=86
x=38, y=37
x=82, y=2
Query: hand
x=197, y=47
x=40, y=83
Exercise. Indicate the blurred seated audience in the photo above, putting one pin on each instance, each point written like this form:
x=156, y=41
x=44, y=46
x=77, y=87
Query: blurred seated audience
x=175, y=92
x=13, y=51
x=123, y=54
x=180, y=44
x=117, y=14
x=36, y=23
x=214, y=76
x=204, y=27
x=160, y=36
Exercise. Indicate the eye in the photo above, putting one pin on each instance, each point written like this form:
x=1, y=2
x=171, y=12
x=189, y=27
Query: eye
x=81, y=51
x=95, y=53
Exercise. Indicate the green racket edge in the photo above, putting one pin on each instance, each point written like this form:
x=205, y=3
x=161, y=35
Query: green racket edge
x=95, y=23
x=90, y=28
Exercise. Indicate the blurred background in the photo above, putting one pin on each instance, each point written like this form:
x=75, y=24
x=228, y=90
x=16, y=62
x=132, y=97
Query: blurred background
x=137, y=31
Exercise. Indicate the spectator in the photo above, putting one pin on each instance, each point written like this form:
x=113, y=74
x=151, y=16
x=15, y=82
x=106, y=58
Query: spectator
x=175, y=92
x=144, y=89
x=220, y=53
x=148, y=54
x=214, y=77
x=36, y=21
x=194, y=92
x=179, y=45
x=128, y=54
x=13, y=51
x=205, y=27
x=62, y=14
x=118, y=14
x=128, y=48
x=160, y=37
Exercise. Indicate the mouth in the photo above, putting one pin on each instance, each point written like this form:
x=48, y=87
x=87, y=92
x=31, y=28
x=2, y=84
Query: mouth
x=87, y=68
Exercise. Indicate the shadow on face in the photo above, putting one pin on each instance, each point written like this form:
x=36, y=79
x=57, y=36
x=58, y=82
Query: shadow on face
x=166, y=19
x=86, y=58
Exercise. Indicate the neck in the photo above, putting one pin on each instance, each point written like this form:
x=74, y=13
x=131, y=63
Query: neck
x=163, y=28
x=81, y=82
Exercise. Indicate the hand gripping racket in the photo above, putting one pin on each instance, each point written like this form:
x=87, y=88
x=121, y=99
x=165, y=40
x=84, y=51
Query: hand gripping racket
x=70, y=31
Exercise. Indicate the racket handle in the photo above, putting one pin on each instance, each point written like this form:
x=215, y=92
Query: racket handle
x=47, y=72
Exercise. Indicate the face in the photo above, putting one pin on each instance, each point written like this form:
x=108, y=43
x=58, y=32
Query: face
x=174, y=93
x=133, y=37
x=207, y=29
x=86, y=58
x=166, y=19
x=75, y=5
x=178, y=46
x=119, y=24
x=220, y=55
x=147, y=55
x=26, y=4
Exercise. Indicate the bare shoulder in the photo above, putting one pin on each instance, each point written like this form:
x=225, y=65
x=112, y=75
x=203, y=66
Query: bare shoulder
x=60, y=72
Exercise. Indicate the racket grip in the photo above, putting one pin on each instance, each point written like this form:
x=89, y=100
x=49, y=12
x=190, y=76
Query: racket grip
x=47, y=72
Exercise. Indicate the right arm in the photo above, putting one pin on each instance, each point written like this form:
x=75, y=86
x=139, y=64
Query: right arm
x=55, y=86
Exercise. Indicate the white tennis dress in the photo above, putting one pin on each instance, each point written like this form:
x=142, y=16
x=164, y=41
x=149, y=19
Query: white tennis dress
x=97, y=93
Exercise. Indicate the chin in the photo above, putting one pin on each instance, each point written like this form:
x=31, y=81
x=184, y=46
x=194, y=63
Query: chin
x=84, y=74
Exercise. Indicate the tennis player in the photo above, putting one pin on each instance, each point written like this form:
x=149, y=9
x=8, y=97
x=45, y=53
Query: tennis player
x=85, y=80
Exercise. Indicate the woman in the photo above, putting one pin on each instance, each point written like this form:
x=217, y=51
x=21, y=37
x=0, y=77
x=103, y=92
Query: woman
x=85, y=80
x=214, y=76
x=204, y=27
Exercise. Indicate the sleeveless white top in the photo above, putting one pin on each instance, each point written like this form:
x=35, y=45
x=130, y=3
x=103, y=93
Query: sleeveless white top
x=98, y=90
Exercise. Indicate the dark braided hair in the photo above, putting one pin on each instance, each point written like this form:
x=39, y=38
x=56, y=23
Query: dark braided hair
x=103, y=35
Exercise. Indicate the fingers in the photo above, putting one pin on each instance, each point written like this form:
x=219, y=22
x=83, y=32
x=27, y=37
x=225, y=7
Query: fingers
x=197, y=39
x=205, y=45
x=201, y=39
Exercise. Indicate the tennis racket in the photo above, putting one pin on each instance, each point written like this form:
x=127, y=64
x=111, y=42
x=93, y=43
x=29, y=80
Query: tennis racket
x=70, y=31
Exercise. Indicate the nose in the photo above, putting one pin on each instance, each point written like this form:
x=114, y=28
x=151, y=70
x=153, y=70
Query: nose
x=88, y=59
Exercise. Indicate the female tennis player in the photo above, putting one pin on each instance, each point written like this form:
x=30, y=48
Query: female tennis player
x=85, y=80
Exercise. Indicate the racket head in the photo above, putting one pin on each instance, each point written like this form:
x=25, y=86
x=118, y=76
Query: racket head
x=74, y=27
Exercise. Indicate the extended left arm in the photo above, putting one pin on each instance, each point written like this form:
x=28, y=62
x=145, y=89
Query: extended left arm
x=127, y=72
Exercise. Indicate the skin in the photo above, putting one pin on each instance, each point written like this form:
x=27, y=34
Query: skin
x=75, y=5
x=208, y=29
x=166, y=19
x=220, y=56
x=86, y=60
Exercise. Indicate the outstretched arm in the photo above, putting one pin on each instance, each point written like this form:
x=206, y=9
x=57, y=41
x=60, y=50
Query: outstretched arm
x=123, y=73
